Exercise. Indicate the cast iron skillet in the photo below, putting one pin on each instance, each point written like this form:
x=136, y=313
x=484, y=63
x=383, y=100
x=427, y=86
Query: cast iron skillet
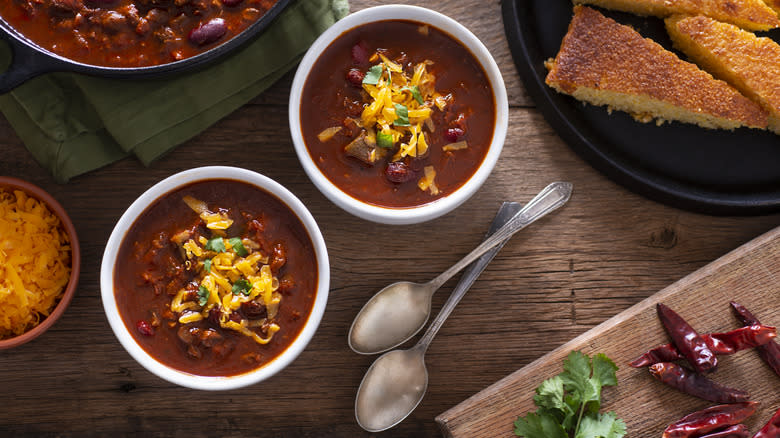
x=30, y=60
x=707, y=171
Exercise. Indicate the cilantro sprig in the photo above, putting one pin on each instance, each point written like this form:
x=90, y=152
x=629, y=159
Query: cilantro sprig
x=568, y=404
x=373, y=75
x=216, y=244
x=203, y=295
x=242, y=286
x=402, y=115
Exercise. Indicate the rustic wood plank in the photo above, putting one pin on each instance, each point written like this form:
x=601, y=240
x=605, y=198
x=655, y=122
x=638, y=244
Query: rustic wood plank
x=605, y=251
x=747, y=275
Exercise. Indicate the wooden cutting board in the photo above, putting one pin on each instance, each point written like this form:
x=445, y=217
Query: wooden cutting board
x=749, y=275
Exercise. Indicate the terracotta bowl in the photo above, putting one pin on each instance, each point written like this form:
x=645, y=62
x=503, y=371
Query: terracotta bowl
x=55, y=207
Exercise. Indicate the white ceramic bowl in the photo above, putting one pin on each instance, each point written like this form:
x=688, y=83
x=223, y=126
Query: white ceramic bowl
x=443, y=205
x=172, y=183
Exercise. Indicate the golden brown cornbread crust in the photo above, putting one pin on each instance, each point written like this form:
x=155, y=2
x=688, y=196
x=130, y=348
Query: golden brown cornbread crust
x=748, y=14
x=749, y=63
x=604, y=62
x=774, y=4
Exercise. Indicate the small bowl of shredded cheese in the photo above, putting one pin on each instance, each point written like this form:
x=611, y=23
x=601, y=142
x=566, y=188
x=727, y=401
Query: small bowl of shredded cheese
x=39, y=261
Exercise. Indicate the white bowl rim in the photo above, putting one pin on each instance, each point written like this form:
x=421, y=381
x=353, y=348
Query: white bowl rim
x=441, y=206
x=168, y=185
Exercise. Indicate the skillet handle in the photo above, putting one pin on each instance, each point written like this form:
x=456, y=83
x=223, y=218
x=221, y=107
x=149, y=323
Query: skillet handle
x=26, y=62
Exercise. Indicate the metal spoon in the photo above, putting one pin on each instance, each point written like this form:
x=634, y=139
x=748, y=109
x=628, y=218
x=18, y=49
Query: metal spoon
x=384, y=401
x=400, y=310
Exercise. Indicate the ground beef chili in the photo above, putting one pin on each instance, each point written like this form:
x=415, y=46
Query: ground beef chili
x=131, y=33
x=154, y=275
x=336, y=94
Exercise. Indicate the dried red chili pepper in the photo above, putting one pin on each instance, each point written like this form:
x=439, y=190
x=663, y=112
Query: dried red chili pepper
x=696, y=384
x=771, y=429
x=685, y=338
x=770, y=351
x=736, y=431
x=720, y=343
x=709, y=420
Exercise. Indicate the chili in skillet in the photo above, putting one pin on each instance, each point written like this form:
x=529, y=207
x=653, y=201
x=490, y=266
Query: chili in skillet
x=131, y=33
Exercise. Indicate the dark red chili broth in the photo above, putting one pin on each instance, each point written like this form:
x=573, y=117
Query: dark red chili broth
x=329, y=97
x=131, y=33
x=150, y=269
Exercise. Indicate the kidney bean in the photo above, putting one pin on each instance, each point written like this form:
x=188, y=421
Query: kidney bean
x=231, y=2
x=687, y=340
x=144, y=328
x=696, y=384
x=398, y=172
x=253, y=310
x=360, y=53
x=355, y=77
x=709, y=420
x=453, y=134
x=208, y=32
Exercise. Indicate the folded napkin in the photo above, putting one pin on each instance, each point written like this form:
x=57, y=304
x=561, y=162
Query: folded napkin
x=73, y=123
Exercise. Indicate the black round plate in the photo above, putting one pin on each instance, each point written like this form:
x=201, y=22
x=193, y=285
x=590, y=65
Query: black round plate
x=707, y=171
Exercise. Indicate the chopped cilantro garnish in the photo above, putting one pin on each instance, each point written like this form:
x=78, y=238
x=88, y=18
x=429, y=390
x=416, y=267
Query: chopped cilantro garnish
x=207, y=265
x=402, y=115
x=568, y=404
x=373, y=75
x=203, y=295
x=415, y=93
x=216, y=244
x=241, y=286
x=238, y=247
x=384, y=140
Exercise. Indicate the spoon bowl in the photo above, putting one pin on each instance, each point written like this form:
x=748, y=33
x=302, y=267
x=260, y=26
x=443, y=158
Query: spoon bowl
x=376, y=331
x=398, y=381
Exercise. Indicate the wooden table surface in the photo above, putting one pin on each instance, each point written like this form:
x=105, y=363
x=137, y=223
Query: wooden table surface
x=606, y=250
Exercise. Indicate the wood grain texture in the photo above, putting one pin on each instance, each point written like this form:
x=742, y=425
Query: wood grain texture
x=748, y=275
x=605, y=251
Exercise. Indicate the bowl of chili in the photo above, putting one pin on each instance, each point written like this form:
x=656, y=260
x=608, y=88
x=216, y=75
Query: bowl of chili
x=126, y=38
x=215, y=278
x=398, y=114
x=40, y=264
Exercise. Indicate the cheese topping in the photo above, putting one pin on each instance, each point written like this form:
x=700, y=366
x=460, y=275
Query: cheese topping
x=34, y=262
x=227, y=279
x=400, y=109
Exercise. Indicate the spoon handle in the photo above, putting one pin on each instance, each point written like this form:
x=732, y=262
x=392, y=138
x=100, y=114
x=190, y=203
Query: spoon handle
x=507, y=211
x=549, y=199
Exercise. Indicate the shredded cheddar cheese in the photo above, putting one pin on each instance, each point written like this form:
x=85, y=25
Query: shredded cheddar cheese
x=397, y=114
x=227, y=279
x=34, y=262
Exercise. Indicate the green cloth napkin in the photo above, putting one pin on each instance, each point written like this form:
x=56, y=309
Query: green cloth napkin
x=73, y=123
